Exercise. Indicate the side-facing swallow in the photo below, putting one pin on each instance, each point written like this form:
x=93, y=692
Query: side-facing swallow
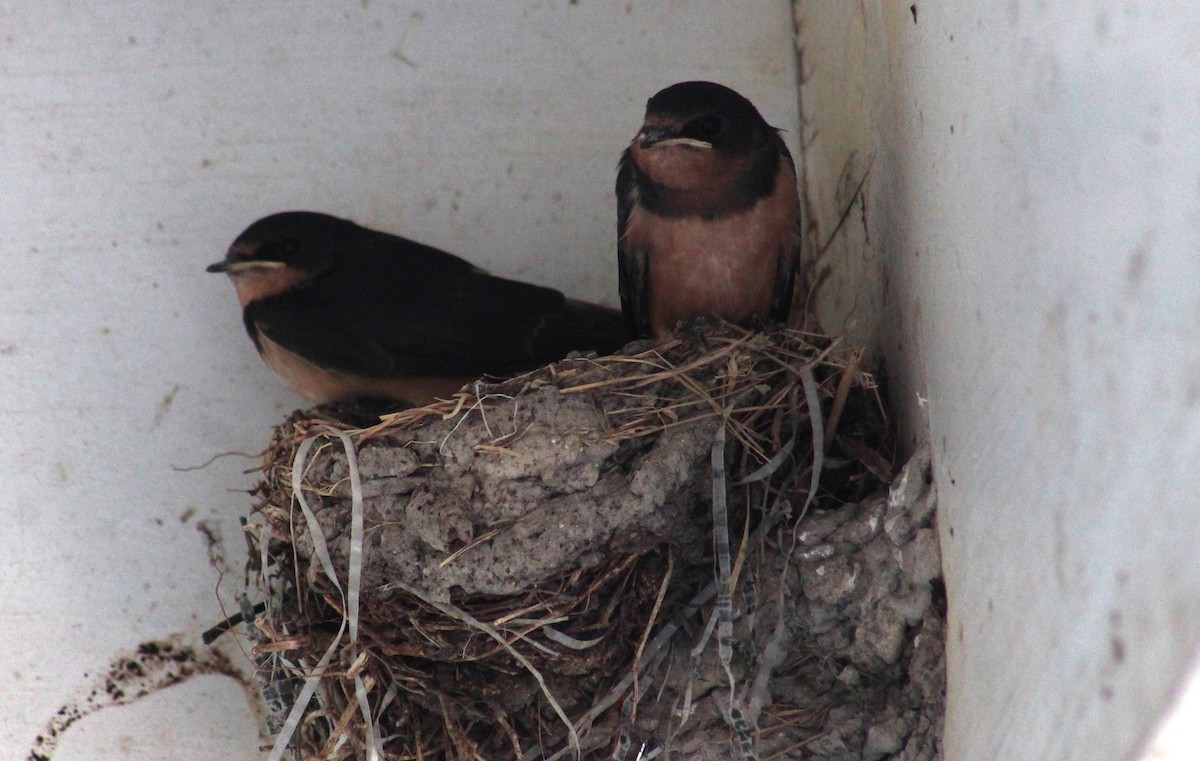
x=341, y=313
x=708, y=213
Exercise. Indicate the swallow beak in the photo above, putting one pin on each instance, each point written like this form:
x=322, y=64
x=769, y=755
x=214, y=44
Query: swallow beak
x=234, y=266
x=651, y=137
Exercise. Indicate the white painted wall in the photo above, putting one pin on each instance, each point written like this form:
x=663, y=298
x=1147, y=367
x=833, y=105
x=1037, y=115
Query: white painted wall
x=1034, y=274
x=136, y=140
x=1026, y=258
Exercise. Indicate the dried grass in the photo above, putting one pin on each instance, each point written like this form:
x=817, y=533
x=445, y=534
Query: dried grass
x=575, y=662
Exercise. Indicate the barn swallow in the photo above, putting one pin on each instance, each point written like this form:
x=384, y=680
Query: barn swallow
x=343, y=313
x=708, y=213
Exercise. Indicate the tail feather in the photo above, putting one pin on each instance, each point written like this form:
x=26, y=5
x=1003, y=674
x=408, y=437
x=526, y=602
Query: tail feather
x=580, y=326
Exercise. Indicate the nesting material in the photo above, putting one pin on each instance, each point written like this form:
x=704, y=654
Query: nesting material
x=530, y=570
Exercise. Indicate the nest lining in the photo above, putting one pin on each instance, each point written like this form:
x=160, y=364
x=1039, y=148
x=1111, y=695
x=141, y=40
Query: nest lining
x=534, y=554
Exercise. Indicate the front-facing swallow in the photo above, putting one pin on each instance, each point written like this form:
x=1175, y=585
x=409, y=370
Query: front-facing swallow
x=343, y=313
x=708, y=213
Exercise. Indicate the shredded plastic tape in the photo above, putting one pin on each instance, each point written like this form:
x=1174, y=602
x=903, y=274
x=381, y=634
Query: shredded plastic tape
x=720, y=518
x=809, y=382
x=350, y=596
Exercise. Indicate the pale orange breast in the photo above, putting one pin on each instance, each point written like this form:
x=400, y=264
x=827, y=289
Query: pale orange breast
x=319, y=385
x=724, y=267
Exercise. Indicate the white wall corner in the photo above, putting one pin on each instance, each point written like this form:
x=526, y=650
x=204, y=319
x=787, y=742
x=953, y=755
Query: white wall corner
x=1023, y=260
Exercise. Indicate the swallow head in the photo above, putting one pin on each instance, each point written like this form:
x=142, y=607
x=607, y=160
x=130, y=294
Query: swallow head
x=703, y=149
x=282, y=252
x=699, y=117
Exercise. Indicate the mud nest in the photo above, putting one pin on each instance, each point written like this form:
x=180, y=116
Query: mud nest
x=530, y=570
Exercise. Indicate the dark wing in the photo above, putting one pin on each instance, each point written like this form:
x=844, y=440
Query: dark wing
x=579, y=326
x=632, y=272
x=785, y=282
x=315, y=331
x=393, y=307
x=789, y=257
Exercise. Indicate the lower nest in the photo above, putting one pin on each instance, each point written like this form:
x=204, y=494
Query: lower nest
x=507, y=573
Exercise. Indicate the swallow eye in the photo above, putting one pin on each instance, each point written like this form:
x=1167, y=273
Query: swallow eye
x=711, y=126
x=288, y=247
